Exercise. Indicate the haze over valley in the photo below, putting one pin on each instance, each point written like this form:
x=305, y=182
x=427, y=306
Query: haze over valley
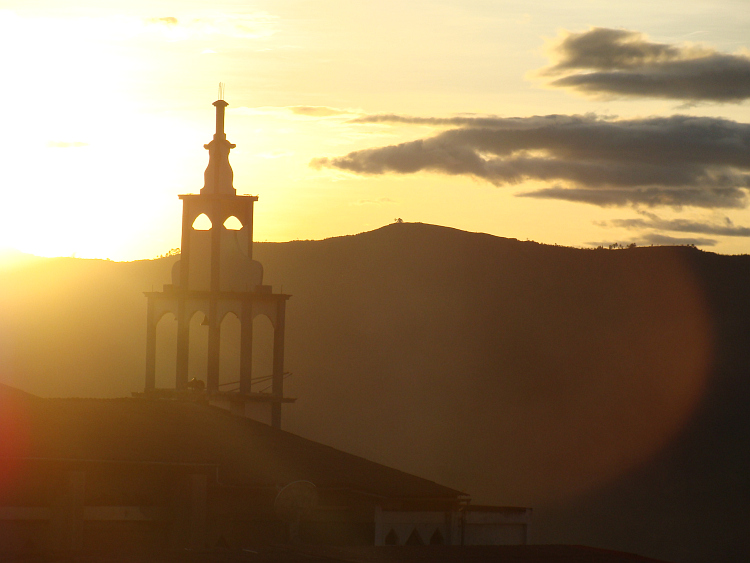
x=602, y=387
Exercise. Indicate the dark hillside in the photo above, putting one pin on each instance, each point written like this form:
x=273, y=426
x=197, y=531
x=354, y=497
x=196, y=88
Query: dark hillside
x=606, y=388
x=690, y=501
x=563, y=366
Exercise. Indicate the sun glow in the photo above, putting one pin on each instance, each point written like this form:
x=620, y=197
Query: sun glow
x=86, y=168
x=105, y=109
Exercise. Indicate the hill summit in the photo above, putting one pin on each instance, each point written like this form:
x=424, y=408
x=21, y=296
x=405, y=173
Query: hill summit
x=605, y=387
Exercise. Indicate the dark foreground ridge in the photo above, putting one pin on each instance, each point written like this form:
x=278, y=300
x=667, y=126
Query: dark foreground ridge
x=605, y=388
x=410, y=554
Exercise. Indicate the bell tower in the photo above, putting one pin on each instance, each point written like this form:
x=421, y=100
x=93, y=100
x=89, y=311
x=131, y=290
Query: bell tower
x=216, y=275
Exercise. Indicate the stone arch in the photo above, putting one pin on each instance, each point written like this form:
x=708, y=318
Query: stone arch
x=437, y=537
x=391, y=538
x=232, y=223
x=414, y=538
x=202, y=223
x=166, y=350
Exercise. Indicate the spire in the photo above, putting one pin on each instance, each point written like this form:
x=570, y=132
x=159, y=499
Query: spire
x=218, y=176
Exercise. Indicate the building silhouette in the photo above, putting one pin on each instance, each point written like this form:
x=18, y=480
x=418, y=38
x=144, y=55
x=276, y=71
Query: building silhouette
x=217, y=276
x=165, y=470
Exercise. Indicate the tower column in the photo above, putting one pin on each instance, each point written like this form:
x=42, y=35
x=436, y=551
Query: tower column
x=183, y=346
x=187, y=228
x=214, y=344
x=214, y=322
x=150, y=347
x=249, y=226
x=246, y=347
x=216, y=231
x=277, y=387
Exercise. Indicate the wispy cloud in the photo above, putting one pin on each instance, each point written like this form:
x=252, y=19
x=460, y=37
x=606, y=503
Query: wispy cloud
x=274, y=154
x=317, y=111
x=657, y=239
x=622, y=63
x=168, y=21
x=244, y=26
x=651, y=221
x=660, y=239
x=379, y=201
x=673, y=161
x=66, y=144
x=293, y=112
x=491, y=121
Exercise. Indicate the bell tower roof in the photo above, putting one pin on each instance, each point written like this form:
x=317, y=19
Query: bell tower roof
x=219, y=176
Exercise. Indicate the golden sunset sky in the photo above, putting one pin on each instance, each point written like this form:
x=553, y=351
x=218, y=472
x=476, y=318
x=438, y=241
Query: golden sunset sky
x=576, y=122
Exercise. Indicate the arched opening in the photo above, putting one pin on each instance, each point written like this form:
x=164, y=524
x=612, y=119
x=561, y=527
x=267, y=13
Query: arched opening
x=202, y=223
x=198, y=354
x=262, y=354
x=233, y=224
x=166, y=352
x=414, y=538
x=437, y=538
x=229, y=353
x=391, y=538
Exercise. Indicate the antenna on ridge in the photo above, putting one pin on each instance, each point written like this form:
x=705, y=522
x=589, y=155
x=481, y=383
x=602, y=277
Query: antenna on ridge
x=221, y=90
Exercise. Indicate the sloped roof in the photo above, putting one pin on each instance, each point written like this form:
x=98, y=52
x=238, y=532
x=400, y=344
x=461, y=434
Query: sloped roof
x=383, y=554
x=472, y=554
x=247, y=452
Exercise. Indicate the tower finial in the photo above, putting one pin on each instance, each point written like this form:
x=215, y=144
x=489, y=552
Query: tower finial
x=219, y=175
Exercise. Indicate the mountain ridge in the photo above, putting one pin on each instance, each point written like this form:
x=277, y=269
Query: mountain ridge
x=588, y=383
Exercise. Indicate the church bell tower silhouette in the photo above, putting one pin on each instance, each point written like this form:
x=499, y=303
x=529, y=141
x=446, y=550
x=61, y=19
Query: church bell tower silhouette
x=216, y=275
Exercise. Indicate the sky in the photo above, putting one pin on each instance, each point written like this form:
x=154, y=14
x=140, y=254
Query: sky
x=572, y=122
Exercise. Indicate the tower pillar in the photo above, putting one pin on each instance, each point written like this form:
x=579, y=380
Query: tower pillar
x=183, y=345
x=246, y=348
x=277, y=388
x=214, y=347
x=150, y=347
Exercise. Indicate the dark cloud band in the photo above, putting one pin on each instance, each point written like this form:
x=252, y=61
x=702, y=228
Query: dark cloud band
x=674, y=161
x=617, y=62
x=651, y=221
x=659, y=240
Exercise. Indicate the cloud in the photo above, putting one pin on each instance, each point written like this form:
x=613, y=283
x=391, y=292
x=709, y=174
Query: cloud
x=622, y=63
x=66, y=144
x=243, y=26
x=472, y=121
x=317, y=111
x=274, y=154
x=652, y=221
x=659, y=240
x=379, y=201
x=673, y=161
x=169, y=21
x=651, y=197
x=292, y=111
